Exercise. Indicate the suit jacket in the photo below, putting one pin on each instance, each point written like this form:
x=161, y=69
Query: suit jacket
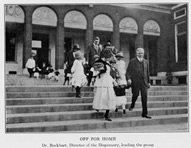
x=134, y=72
x=91, y=52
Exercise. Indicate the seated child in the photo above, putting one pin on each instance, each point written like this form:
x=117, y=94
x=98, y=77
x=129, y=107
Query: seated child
x=36, y=70
x=50, y=71
x=56, y=75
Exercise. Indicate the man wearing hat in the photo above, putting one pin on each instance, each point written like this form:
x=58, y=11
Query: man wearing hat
x=30, y=65
x=70, y=57
x=137, y=75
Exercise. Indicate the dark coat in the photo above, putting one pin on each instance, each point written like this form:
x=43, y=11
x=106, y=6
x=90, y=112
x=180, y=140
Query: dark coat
x=134, y=72
x=91, y=52
x=70, y=60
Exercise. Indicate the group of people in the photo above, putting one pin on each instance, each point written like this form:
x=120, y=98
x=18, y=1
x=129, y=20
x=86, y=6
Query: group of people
x=110, y=78
x=46, y=69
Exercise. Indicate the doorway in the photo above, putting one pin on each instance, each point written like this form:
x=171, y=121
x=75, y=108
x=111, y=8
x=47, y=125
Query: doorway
x=150, y=43
x=67, y=45
x=41, y=48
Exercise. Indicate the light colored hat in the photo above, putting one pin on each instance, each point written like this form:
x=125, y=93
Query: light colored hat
x=76, y=46
x=78, y=55
x=96, y=56
x=119, y=54
x=97, y=38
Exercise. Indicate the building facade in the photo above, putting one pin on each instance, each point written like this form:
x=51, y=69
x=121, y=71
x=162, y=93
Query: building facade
x=51, y=30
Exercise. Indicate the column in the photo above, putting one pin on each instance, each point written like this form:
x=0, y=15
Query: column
x=59, y=60
x=89, y=34
x=116, y=36
x=139, y=40
x=116, y=33
x=27, y=34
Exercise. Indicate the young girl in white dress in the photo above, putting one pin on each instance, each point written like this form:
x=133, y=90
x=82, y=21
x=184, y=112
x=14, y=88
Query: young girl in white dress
x=104, y=95
x=78, y=76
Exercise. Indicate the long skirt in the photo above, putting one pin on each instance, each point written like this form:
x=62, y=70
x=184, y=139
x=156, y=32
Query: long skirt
x=104, y=98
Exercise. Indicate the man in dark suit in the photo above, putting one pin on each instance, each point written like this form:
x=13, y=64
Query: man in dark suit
x=137, y=76
x=94, y=49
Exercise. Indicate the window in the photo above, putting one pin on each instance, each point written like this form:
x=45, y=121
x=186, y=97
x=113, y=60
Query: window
x=181, y=41
x=180, y=13
x=10, y=46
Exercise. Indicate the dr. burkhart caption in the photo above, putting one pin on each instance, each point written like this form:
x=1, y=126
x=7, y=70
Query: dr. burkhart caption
x=99, y=142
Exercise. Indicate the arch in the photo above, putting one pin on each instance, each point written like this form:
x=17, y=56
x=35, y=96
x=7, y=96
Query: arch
x=75, y=19
x=128, y=25
x=14, y=13
x=102, y=22
x=151, y=27
x=44, y=16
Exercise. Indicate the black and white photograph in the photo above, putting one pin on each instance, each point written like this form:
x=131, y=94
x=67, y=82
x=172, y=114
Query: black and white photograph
x=96, y=68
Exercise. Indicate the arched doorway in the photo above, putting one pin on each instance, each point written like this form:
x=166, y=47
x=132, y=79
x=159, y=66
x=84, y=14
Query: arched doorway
x=103, y=28
x=14, y=23
x=128, y=30
x=44, y=22
x=151, y=31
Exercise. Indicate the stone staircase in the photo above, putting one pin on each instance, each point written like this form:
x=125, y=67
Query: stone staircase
x=55, y=109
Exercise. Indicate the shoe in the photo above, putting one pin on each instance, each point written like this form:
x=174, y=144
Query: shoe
x=116, y=110
x=146, y=116
x=124, y=111
x=108, y=119
x=130, y=109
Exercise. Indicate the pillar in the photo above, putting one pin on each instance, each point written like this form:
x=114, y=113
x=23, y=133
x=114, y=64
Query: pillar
x=59, y=60
x=139, y=40
x=27, y=34
x=116, y=36
x=89, y=33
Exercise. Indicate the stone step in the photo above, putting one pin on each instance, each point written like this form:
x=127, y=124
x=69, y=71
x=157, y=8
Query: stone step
x=44, y=88
x=70, y=100
x=80, y=125
x=84, y=94
x=58, y=88
x=83, y=106
x=82, y=115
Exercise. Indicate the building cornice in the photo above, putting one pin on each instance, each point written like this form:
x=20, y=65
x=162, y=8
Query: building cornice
x=144, y=7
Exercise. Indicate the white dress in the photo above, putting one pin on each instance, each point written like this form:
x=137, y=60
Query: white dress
x=104, y=95
x=121, y=100
x=78, y=76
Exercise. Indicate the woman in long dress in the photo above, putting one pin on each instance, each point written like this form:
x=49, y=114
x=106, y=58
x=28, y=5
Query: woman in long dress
x=121, y=81
x=104, y=95
x=78, y=76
